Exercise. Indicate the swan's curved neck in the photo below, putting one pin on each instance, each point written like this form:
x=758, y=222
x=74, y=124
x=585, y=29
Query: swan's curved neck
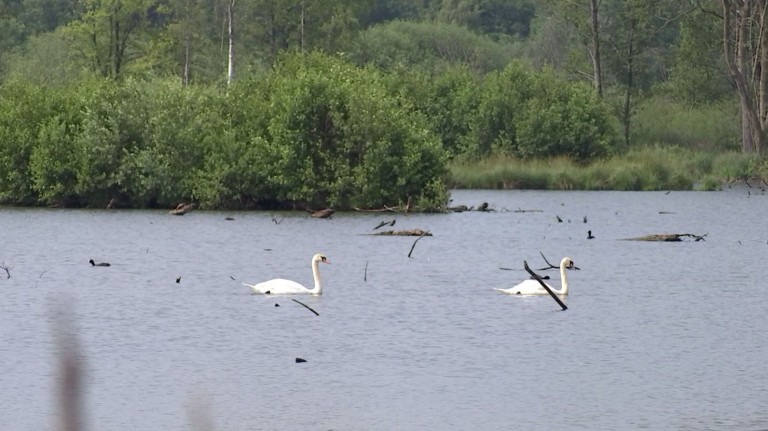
x=316, y=274
x=563, y=281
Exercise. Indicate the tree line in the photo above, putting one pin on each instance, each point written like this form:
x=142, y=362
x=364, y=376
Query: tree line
x=228, y=102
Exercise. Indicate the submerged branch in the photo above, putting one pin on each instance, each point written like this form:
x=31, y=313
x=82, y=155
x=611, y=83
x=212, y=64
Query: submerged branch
x=667, y=237
x=305, y=306
x=417, y=240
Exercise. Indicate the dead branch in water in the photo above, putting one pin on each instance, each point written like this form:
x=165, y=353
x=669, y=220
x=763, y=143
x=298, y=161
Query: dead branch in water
x=305, y=306
x=384, y=223
x=365, y=274
x=324, y=213
x=417, y=240
x=667, y=237
x=182, y=208
x=544, y=285
x=407, y=232
x=379, y=210
x=7, y=270
x=550, y=266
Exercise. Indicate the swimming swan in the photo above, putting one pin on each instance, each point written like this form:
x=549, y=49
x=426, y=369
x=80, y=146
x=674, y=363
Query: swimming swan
x=281, y=286
x=532, y=287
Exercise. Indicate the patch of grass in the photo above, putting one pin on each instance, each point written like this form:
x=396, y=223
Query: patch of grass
x=647, y=168
x=710, y=127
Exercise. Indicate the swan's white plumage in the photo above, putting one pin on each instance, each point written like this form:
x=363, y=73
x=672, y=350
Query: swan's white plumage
x=281, y=286
x=533, y=287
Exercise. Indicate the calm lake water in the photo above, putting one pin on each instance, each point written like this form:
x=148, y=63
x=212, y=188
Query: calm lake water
x=660, y=336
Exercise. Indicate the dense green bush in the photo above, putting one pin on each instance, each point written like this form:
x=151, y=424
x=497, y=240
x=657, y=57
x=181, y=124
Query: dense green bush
x=316, y=131
x=337, y=137
x=23, y=110
x=526, y=115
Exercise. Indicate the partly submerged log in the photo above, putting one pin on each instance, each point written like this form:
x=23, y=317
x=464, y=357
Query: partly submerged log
x=182, y=208
x=667, y=237
x=324, y=213
x=407, y=232
x=483, y=207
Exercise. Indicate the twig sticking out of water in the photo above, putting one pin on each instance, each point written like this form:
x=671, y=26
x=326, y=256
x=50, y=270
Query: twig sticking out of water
x=7, y=270
x=277, y=221
x=544, y=285
x=365, y=275
x=305, y=306
x=385, y=223
x=417, y=240
x=550, y=265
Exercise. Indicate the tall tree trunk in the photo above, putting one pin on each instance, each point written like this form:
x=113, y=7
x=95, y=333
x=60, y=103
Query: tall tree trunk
x=301, y=29
x=596, y=66
x=740, y=49
x=630, y=84
x=231, y=32
x=185, y=77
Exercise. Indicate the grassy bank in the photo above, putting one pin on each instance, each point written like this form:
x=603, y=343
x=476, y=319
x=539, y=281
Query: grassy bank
x=651, y=168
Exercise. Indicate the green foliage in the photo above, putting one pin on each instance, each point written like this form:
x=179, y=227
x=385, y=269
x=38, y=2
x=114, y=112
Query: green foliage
x=336, y=137
x=699, y=74
x=429, y=46
x=448, y=100
x=646, y=168
x=23, y=109
x=712, y=126
x=536, y=115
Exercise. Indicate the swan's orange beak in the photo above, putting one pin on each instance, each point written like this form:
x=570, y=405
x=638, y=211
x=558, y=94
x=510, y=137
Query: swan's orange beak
x=325, y=260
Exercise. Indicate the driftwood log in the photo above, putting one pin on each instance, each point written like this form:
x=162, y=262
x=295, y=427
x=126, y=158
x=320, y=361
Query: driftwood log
x=406, y=232
x=483, y=207
x=667, y=237
x=324, y=213
x=182, y=208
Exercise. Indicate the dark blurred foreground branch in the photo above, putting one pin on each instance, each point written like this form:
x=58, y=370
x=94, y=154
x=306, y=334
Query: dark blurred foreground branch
x=70, y=371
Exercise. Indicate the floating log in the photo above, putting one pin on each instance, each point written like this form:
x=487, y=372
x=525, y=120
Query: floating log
x=182, y=208
x=483, y=207
x=459, y=208
x=406, y=232
x=667, y=237
x=324, y=213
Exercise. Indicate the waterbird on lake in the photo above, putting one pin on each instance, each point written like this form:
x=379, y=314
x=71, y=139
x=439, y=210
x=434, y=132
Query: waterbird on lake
x=98, y=263
x=589, y=235
x=533, y=287
x=281, y=286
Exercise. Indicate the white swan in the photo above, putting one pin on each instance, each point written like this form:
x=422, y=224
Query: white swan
x=533, y=287
x=281, y=286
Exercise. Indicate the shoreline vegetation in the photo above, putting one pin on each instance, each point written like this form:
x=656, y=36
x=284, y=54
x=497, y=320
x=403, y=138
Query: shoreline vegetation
x=645, y=169
x=367, y=107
